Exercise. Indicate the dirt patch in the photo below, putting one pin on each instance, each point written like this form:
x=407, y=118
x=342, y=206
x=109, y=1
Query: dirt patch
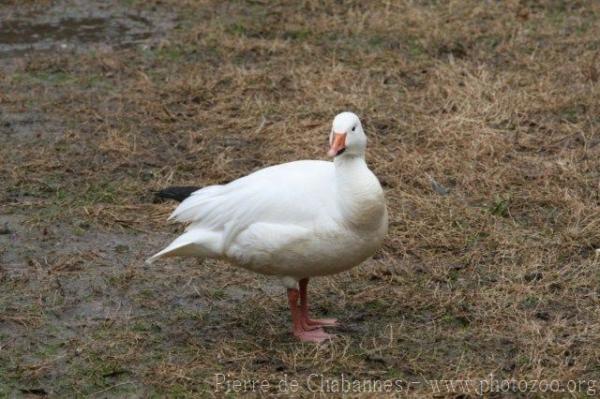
x=78, y=26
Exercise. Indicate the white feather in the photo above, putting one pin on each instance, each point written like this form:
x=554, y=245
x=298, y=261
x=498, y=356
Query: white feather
x=294, y=220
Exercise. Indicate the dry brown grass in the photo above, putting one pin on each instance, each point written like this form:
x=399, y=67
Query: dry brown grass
x=497, y=101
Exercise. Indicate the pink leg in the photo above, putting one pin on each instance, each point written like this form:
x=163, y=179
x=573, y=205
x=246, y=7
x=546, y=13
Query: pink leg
x=315, y=335
x=307, y=322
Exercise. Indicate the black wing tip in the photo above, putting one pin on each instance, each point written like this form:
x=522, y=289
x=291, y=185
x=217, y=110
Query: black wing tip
x=177, y=193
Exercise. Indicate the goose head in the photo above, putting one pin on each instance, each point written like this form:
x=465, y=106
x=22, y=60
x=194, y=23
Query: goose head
x=347, y=136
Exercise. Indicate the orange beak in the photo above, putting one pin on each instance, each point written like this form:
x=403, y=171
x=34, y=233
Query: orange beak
x=337, y=144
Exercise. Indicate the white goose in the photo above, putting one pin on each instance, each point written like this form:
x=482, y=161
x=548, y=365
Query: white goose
x=295, y=220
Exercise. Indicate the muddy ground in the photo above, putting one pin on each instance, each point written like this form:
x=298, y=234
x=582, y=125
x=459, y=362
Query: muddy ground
x=483, y=122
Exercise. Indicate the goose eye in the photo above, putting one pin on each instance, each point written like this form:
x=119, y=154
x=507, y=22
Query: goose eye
x=353, y=128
